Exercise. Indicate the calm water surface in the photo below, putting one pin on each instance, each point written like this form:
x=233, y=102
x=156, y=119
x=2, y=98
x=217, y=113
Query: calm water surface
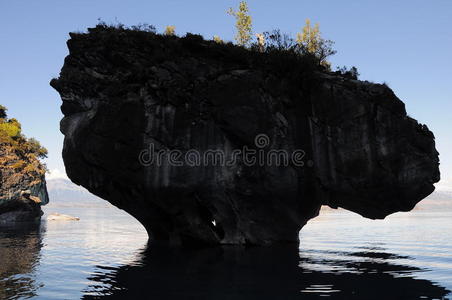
x=341, y=256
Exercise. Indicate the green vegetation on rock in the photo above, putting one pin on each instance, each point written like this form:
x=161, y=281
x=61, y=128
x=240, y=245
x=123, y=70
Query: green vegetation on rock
x=243, y=24
x=170, y=30
x=19, y=153
x=311, y=41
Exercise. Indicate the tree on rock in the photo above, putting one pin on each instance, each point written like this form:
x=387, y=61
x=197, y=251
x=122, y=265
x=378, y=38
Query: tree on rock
x=24, y=153
x=217, y=39
x=2, y=112
x=243, y=24
x=311, y=42
x=170, y=30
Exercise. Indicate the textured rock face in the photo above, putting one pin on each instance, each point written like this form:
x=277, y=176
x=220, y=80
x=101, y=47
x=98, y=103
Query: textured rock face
x=22, y=174
x=129, y=94
x=21, y=194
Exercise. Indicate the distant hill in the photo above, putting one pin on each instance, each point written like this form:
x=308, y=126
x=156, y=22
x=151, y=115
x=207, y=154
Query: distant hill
x=439, y=199
x=63, y=191
x=441, y=195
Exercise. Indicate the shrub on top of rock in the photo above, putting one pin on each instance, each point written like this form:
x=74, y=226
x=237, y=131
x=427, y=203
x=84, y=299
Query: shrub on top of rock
x=27, y=151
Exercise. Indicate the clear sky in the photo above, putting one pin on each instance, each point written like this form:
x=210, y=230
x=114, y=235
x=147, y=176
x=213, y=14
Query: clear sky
x=407, y=44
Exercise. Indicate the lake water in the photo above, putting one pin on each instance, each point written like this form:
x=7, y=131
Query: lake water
x=341, y=256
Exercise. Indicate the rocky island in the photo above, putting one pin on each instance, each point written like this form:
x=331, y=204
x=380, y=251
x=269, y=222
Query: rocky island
x=127, y=91
x=22, y=174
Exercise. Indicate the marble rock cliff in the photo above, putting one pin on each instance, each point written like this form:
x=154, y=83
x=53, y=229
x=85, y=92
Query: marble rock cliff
x=21, y=193
x=212, y=143
x=22, y=173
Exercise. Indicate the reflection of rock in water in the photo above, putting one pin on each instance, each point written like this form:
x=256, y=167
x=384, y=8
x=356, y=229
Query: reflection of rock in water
x=275, y=272
x=19, y=255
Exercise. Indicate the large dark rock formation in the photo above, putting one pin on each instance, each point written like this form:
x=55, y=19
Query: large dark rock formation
x=126, y=91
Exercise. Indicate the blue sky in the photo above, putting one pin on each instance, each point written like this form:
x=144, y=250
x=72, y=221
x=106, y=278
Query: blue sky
x=407, y=44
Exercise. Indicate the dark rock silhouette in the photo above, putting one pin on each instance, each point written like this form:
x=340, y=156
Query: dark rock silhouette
x=126, y=92
x=274, y=272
